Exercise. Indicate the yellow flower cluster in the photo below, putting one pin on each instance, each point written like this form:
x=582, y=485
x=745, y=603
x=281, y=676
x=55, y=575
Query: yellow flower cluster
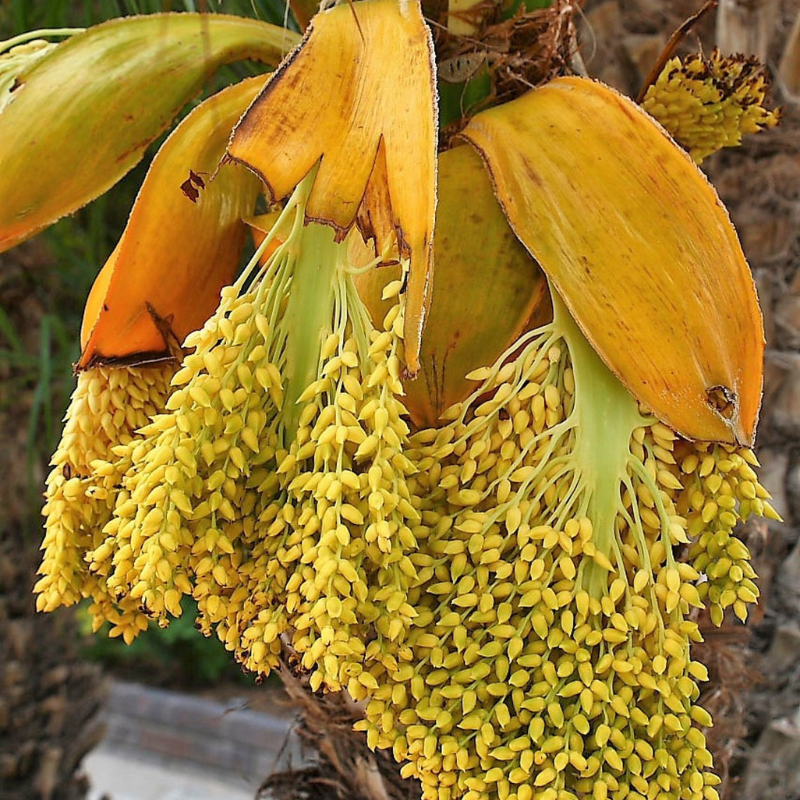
x=708, y=104
x=108, y=406
x=509, y=593
x=551, y=655
x=190, y=466
x=349, y=505
x=271, y=484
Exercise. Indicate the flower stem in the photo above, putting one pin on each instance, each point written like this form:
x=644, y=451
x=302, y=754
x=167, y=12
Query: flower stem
x=606, y=415
x=309, y=311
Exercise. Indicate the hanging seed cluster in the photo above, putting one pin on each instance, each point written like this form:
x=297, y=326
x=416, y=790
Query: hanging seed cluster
x=509, y=594
x=348, y=504
x=191, y=466
x=522, y=680
x=710, y=103
x=107, y=407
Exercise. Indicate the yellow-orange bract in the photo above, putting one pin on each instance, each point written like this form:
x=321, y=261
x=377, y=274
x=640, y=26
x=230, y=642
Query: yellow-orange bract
x=487, y=289
x=181, y=244
x=638, y=244
x=357, y=97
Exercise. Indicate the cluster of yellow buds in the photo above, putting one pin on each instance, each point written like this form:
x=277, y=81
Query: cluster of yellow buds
x=108, y=406
x=276, y=459
x=348, y=505
x=502, y=591
x=552, y=654
x=710, y=103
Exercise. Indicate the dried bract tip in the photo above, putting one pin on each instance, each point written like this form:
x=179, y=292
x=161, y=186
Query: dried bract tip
x=710, y=103
x=182, y=242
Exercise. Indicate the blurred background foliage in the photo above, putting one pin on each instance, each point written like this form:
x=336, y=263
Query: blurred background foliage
x=43, y=286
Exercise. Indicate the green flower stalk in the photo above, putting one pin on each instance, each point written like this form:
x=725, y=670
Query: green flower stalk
x=710, y=103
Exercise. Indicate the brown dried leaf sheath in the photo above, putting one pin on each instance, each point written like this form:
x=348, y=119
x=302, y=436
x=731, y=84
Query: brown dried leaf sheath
x=638, y=244
x=358, y=97
x=164, y=277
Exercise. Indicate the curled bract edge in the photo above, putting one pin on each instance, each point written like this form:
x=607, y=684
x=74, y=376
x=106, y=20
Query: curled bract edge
x=358, y=98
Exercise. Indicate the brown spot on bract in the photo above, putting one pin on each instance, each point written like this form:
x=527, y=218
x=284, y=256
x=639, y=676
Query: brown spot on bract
x=722, y=399
x=192, y=185
x=189, y=191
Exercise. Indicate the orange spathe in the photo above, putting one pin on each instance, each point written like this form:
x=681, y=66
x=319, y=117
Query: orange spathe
x=358, y=98
x=182, y=242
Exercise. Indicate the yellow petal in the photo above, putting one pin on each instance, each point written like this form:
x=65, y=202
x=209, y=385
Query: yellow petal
x=638, y=244
x=181, y=244
x=359, y=95
x=82, y=116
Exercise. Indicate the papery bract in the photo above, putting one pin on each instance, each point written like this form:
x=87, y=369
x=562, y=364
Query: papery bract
x=357, y=97
x=182, y=242
x=638, y=244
